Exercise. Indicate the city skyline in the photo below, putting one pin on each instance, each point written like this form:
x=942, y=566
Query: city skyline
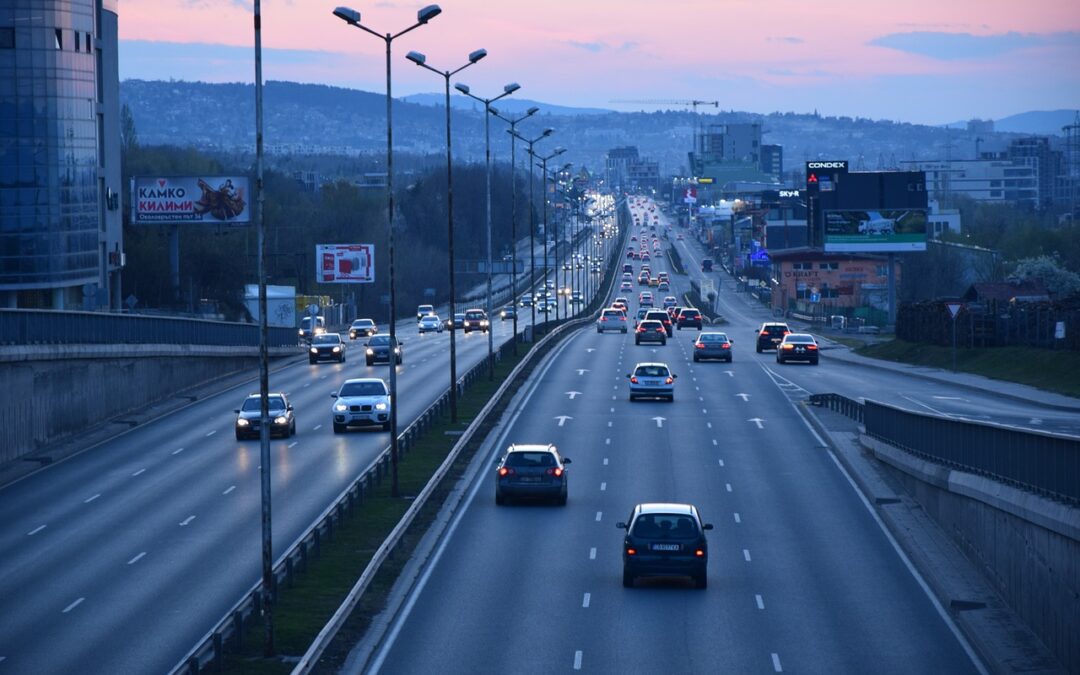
x=922, y=62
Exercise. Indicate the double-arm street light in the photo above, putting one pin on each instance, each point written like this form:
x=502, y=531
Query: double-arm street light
x=512, y=121
x=421, y=60
x=532, y=218
x=352, y=17
x=507, y=90
x=544, y=175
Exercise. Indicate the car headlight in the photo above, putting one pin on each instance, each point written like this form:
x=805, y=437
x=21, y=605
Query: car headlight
x=320, y=331
x=380, y=406
x=370, y=352
x=280, y=420
x=300, y=332
x=314, y=350
x=337, y=349
x=397, y=350
x=340, y=407
x=241, y=422
x=484, y=322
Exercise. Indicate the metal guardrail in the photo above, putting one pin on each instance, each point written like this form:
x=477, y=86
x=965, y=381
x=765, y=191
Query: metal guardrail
x=41, y=327
x=840, y=404
x=1039, y=461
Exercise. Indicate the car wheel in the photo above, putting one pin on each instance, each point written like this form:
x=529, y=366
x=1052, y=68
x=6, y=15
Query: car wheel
x=499, y=499
x=338, y=428
x=778, y=359
x=386, y=426
x=599, y=331
x=663, y=342
x=311, y=361
x=624, y=331
x=678, y=327
x=632, y=398
x=701, y=580
x=239, y=437
x=696, y=359
x=671, y=399
x=342, y=359
x=814, y=362
x=561, y=501
x=729, y=359
x=368, y=361
x=399, y=361
x=637, y=341
x=627, y=578
x=292, y=429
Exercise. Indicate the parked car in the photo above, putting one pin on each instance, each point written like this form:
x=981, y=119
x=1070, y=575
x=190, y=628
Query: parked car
x=650, y=330
x=327, y=347
x=361, y=402
x=665, y=540
x=652, y=380
x=378, y=350
x=797, y=347
x=430, y=323
x=689, y=317
x=531, y=472
x=476, y=319
x=712, y=346
x=611, y=319
x=770, y=335
x=249, y=416
x=362, y=328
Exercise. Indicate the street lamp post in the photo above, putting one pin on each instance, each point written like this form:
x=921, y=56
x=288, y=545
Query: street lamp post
x=352, y=17
x=532, y=218
x=507, y=90
x=421, y=60
x=544, y=174
x=513, y=204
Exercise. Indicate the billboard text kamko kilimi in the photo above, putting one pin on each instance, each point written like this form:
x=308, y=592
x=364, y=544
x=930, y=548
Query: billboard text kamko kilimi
x=190, y=199
x=345, y=263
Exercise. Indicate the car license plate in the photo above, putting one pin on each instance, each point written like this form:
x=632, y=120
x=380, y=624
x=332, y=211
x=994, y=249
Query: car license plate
x=665, y=547
x=529, y=479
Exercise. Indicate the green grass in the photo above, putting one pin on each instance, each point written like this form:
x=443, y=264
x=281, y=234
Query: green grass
x=1043, y=368
x=304, y=608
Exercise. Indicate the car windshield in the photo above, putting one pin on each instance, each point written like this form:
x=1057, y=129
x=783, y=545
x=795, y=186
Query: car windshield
x=658, y=315
x=713, y=338
x=363, y=323
x=801, y=339
x=649, y=325
x=527, y=459
x=651, y=371
x=379, y=341
x=690, y=312
x=327, y=339
x=665, y=526
x=612, y=313
x=362, y=389
x=251, y=403
x=474, y=315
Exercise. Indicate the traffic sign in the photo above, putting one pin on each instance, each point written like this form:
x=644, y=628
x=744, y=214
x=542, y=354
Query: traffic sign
x=954, y=308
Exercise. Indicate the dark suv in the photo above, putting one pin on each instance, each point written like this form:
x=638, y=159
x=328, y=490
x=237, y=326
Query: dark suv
x=531, y=471
x=665, y=540
x=661, y=316
x=688, y=317
x=770, y=335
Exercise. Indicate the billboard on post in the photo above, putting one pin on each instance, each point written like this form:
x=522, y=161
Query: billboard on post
x=875, y=231
x=345, y=263
x=178, y=200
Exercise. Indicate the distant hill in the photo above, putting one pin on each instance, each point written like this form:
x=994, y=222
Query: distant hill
x=308, y=119
x=1041, y=122
x=509, y=105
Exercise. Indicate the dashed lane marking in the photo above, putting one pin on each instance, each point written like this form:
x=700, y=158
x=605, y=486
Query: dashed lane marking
x=592, y=553
x=73, y=605
x=746, y=554
x=138, y=473
x=137, y=558
x=599, y=515
x=230, y=489
x=317, y=427
x=776, y=663
x=37, y=529
x=760, y=602
x=577, y=660
x=605, y=461
x=715, y=443
x=177, y=451
x=603, y=487
x=728, y=486
x=211, y=433
x=293, y=444
x=721, y=462
x=90, y=499
x=585, y=600
x=737, y=518
x=187, y=520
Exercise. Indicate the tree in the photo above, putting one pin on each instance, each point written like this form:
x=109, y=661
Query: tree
x=1060, y=282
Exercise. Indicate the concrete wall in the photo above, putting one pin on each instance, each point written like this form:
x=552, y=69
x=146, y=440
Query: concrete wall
x=1028, y=546
x=46, y=395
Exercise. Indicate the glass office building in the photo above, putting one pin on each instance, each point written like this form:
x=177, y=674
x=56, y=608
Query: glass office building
x=60, y=227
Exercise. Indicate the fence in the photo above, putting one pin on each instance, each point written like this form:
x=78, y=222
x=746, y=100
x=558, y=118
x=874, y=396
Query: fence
x=1041, y=462
x=40, y=327
x=991, y=324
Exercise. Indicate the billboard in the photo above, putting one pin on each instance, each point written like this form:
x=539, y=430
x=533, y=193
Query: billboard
x=345, y=263
x=189, y=199
x=870, y=231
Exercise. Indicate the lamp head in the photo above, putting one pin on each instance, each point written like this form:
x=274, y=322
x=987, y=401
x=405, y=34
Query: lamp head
x=416, y=57
x=547, y=132
x=428, y=13
x=477, y=55
x=560, y=150
x=532, y=111
x=463, y=88
x=348, y=15
x=511, y=88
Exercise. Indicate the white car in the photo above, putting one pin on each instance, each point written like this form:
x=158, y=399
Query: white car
x=429, y=323
x=652, y=380
x=362, y=402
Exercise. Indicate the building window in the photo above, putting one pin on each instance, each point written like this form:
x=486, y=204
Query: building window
x=78, y=45
x=59, y=39
x=802, y=266
x=89, y=42
x=829, y=266
x=7, y=38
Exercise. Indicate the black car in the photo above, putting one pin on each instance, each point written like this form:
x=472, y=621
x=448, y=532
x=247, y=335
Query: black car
x=650, y=330
x=378, y=349
x=797, y=347
x=531, y=471
x=712, y=346
x=665, y=540
x=661, y=316
x=689, y=318
x=249, y=416
x=476, y=319
x=770, y=335
x=327, y=347
x=507, y=313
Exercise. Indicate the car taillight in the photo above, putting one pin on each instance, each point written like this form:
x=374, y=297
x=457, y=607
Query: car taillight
x=764, y=333
x=788, y=346
x=506, y=471
x=786, y=332
x=622, y=318
x=641, y=329
x=631, y=551
x=726, y=345
x=700, y=345
x=557, y=471
x=633, y=380
x=700, y=553
x=811, y=346
x=669, y=380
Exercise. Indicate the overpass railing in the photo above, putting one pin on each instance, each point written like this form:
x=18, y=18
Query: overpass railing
x=50, y=327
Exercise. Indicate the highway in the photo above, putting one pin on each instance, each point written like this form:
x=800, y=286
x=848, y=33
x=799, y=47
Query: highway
x=121, y=558
x=802, y=576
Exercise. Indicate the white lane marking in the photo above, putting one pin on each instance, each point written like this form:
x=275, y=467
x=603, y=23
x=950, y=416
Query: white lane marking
x=737, y=518
x=613, y=410
x=721, y=462
x=659, y=421
x=37, y=529
x=704, y=411
x=931, y=409
x=582, y=371
x=231, y=488
x=138, y=473
x=760, y=602
x=614, y=397
x=603, y=487
x=607, y=441
x=1035, y=420
x=701, y=398
x=317, y=427
x=577, y=660
x=592, y=553
x=87, y=501
x=728, y=486
x=585, y=600
x=715, y=443
x=950, y=398
x=211, y=433
x=308, y=384
x=610, y=424
x=697, y=388
x=746, y=554
x=708, y=424
x=776, y=663
x=617, y=386
x=177, y=451
x=744, y=397
x=599, y=515
x=758, y=421
x=137, y=558
x=573, y=394
x=605, y=461
x=73, y=605
x=187, y=520
x=694, y=379
x=729, y=373
x=562, y=419
x=293, y=444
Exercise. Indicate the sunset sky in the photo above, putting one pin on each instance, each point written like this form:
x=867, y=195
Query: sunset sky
x=925, y=61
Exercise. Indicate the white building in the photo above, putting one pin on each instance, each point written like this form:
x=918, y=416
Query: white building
x=1013, y=181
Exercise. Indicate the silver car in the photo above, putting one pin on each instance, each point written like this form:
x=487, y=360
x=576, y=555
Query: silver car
x=361, y=403
x=652, y=380
x=429, y=323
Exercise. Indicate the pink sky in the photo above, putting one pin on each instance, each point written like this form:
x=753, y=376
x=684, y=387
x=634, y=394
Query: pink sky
x=791, y=56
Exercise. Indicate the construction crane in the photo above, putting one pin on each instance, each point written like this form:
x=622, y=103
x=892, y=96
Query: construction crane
x=660, y=101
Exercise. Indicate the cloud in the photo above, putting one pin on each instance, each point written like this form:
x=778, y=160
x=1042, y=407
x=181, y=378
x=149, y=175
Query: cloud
x=955, y=46
x=791, y=40
x=594, y=47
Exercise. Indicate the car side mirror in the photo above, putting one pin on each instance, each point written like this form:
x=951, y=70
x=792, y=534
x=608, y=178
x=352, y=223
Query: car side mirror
x=333, y=395
x=674, y=376
x=400, y=343
x=289, y=407
x=566, y=460
x=707, y=526
x=621, y=525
